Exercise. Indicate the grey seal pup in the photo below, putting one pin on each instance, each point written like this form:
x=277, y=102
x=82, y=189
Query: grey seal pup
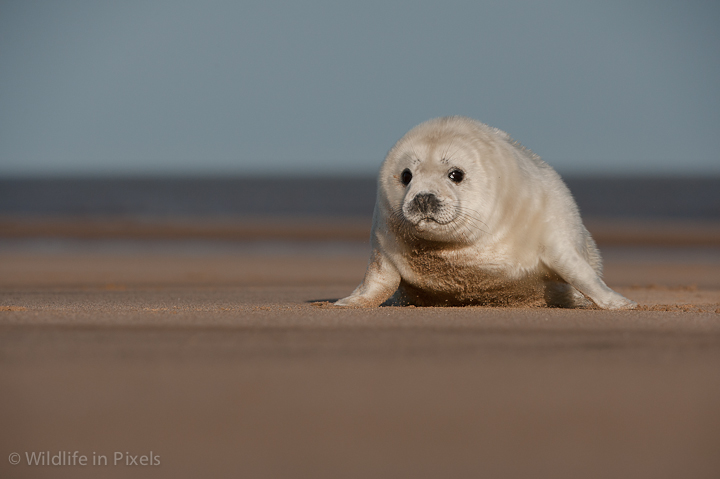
x=466, y=215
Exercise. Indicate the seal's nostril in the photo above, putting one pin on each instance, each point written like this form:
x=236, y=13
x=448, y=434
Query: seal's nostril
x=426, y=202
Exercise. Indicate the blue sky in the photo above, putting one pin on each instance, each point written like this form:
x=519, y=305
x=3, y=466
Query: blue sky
x=227, y=87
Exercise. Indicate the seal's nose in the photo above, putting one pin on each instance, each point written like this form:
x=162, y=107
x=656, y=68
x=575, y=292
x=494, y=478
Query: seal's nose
x=426, y=202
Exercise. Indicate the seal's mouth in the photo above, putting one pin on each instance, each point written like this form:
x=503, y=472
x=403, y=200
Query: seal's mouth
x=429, y=222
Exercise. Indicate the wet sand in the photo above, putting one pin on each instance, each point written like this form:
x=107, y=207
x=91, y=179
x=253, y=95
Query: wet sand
x=225, y=360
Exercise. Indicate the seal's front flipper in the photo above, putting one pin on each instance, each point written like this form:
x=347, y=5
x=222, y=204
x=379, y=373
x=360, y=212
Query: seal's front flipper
x=574, y=269
x=380, y=282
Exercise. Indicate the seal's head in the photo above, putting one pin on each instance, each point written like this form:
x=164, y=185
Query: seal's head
x=434, y=184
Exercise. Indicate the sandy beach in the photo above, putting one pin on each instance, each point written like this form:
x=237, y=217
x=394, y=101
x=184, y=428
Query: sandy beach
x=225, y=359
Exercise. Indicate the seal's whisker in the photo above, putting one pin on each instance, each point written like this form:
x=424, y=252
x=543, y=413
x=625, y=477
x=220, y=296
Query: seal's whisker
x=472, y=214
x=473, y=221
x=458, y=230
x=453, y=153
x=445, y=152
x=416, y=157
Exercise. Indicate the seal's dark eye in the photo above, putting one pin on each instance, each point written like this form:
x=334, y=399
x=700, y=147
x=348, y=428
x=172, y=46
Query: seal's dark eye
x=405, y=177
x=456, y=176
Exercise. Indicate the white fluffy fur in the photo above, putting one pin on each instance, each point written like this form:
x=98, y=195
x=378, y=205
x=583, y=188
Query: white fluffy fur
x=508, y=233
